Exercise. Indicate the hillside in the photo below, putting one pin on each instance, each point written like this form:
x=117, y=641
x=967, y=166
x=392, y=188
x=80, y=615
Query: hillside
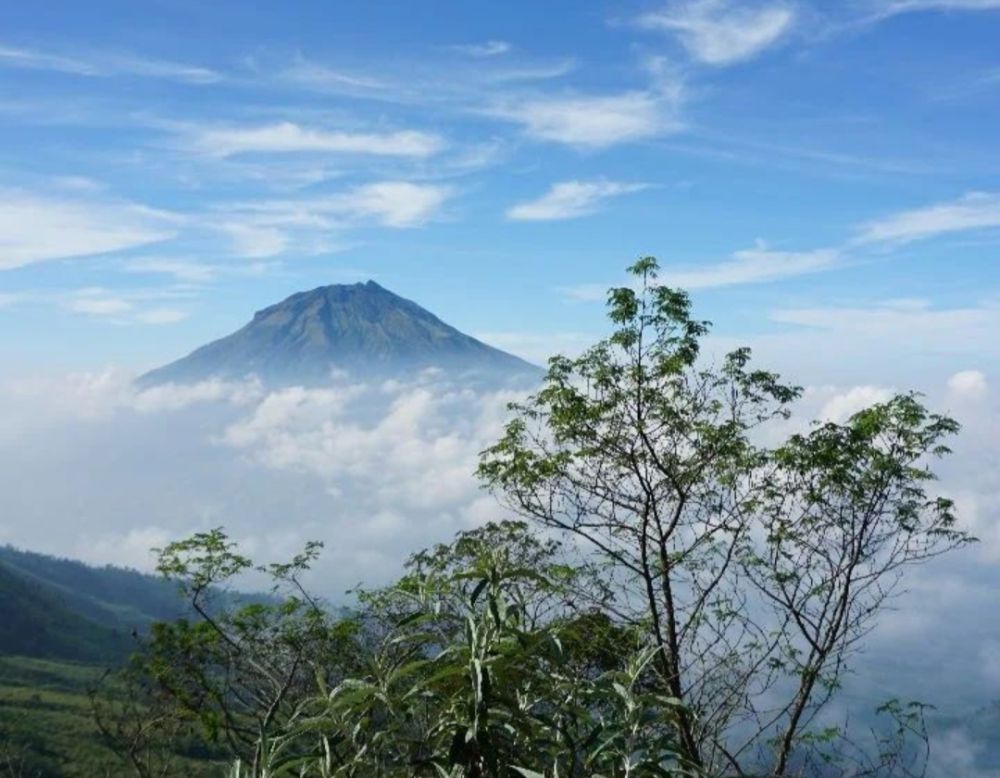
x=38, y=622
x=63, y=609
x=47, y=728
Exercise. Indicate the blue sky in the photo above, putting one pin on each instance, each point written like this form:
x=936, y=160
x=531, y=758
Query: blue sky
x=818, y=174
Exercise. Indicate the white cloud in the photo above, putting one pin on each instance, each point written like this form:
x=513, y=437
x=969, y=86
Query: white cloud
x=751, y=266
x=903, y=343
x=287, y=137
x=412, y=444
x=909, y=6
x=595, y=121
x=175, y=397
x=748, y=266
x=376, y=470
x=8, y=299
x=105, y=65
x=397, y=203
x=182, y=270
x=968, y=383
x=100, y=395
x=132, y=548
x=266, y=228
x=486, y=49
x=962, y=329
x=98, y=303
x=315, y=76
x=570, y=199
x=125, y=306
x=162, y=316
x=537, y=347
x=974, y=211
x=36, y=227
x=255, y=241
x=843, y=405
x=720, y=32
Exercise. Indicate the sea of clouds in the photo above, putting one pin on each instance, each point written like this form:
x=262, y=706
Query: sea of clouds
x=93, y=468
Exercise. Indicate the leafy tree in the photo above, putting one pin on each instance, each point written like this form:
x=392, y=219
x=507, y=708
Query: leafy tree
x=240, y=672
x=753, y=571
x=491, y=657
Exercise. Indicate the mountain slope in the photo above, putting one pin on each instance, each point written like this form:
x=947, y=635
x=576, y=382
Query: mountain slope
x=37, y=622
x=363, y=328
x=55, y=608
x=114, y=597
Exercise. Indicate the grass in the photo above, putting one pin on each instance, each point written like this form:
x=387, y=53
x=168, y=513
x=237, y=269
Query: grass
x=46, y=726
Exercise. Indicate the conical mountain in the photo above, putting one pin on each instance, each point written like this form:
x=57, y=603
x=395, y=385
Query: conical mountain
x=362, y=328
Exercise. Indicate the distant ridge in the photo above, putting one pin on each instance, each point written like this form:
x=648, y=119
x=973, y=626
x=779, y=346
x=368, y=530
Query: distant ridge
x=53, y=608
x=363, y=328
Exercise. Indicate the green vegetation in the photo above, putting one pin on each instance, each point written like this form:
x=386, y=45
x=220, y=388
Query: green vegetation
x=61, y=609
x=38, y=622
x=47, y=726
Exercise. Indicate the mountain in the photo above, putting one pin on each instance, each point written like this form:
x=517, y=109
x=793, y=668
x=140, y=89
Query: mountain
x=362, y=328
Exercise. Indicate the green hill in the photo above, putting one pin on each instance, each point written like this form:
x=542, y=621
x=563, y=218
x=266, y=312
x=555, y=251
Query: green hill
x=54, y=608
x=62, y=623
x=38, y=622
x=47, y=728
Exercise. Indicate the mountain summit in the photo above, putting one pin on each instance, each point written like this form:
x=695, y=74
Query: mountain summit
x=363, y=328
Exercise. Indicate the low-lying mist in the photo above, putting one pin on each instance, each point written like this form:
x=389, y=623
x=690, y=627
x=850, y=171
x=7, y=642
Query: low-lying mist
x=95, y=469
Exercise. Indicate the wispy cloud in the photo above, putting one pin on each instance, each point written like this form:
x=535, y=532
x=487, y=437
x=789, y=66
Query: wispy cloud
x=538, y=347
x=288, y=137
x=910, y=6
x=396, y=203
x=121, y=307
x=721, y=32
x=265, y=228
x=423, y=82
x=255, y=241
x=748, y=266
x=35, y=227
x=162, y=316
x=974, y=211
x=594, y=121
x=751, y=266
x=570, y=199
x=97, y=302
x=491, y=48
x=891, y=320
x=182, y=270
x=104, y=65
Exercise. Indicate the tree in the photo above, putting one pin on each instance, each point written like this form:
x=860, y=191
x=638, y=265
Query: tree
x=752, y=571
x=240, y=671
x=481, y=661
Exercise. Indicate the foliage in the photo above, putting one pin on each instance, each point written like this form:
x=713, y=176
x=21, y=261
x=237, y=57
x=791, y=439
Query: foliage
x=752, y=570
x=47, y=729
x=483, y=660
x=60, y=609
